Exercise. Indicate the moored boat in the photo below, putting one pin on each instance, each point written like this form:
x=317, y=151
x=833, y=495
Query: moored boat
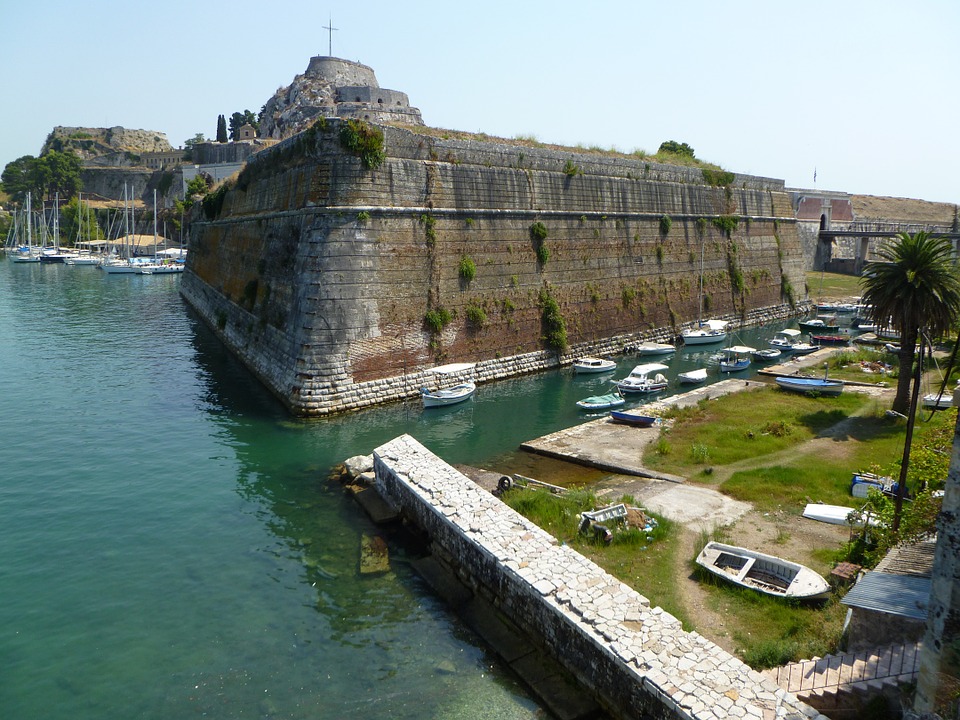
x=817, y=386
x=601, y=402
x=707, y=332
x=764, y=573
x=655, y=348
x=766, y=354
x=448, y=396
x=736, y=358
x=830, y=339
x=818, y=325
x=639, y=380
x=587, y=365
x=693, y=377
x=629, y=418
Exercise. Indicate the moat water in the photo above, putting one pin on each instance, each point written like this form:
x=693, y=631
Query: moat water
x=170, y=546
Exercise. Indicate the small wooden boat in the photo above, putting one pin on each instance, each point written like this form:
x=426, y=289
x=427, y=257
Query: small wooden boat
x=601, y=402
x=761, y=572
x=838, y=515
x=448, y=396
x=766, y=355
x=639, y=380
x=629, y=418
x=655, y=348
x=693, y=377
x=831, y=388
x=593, y=365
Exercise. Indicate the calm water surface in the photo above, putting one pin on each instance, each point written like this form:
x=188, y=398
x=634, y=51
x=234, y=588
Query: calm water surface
x=170, y=547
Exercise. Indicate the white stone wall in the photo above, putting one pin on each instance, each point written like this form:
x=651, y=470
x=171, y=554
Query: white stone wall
x=636, y=659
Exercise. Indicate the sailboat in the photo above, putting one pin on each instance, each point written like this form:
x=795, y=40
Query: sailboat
x=704, y=333
x=83, y=258
x=122, y=265
x=157, y=266
x=27, y=253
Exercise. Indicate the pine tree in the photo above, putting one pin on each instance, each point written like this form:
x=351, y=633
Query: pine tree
x=221, y=129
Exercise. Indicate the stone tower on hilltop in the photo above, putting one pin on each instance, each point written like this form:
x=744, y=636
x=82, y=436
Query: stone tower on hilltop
x=332, y=87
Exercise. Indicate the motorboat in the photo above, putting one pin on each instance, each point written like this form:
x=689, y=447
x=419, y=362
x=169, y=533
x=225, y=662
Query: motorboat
x=764, y=573
x=788, y=340
x=639, y=380
x=452, y=394
x=830, y=339
x=735, y=358
x=601, y=402
x=818, y=386
x=818, y=325
x=693, y=377
x=655, y=348
x=766, y=354
x=629, y=418
x=586, y=365
x=707, y=332
x=448, y=396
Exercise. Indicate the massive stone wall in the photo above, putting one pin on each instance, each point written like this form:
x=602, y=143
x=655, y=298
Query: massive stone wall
x=319, y=272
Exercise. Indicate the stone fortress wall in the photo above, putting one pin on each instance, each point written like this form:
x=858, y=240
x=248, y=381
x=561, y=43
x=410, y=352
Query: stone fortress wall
x=320, y=274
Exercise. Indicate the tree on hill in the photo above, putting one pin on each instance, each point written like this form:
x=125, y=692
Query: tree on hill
x=43, y=177
x=238, y=120
x=221, y=129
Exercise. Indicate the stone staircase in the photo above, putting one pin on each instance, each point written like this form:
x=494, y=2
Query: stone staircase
x=839, y=684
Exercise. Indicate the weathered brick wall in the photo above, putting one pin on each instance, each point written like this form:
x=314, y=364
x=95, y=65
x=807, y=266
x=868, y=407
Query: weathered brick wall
x=329, y=269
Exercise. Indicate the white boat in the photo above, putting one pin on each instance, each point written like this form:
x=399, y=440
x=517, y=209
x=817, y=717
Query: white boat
x=838, y=515
x=27, y=253
x=709, y=331
x=655, y=348
x=601, y=402
x=788, y=340
x=639, y=380
x=449, y=395
x=764, y=573
x=735, y=358
x=586, y=365
x=830, y=388
x=83, y=259
x=693, y=377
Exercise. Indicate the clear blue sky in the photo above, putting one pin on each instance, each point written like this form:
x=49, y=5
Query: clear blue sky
x=863, y=92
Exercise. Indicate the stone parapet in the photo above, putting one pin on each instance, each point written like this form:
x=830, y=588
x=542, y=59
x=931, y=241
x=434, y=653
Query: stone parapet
x=635, y=659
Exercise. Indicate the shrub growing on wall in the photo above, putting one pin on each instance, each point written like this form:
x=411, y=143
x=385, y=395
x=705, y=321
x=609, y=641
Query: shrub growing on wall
x=665, y=224
x=476, y=316
x=363, y=140
x=467, y=269
x=538, y=233
x=554, y=327
x=437, y=319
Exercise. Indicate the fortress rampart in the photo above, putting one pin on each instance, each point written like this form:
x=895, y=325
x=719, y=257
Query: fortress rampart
x=341, y=285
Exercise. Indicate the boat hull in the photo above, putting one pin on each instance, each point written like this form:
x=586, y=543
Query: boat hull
x=587, y=366
x=811, y=385
x=763, y=573
x=448, y=396
x=601, y=402
x=632, y=419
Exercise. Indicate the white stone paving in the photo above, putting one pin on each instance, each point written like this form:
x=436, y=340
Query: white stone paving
x=688, y=672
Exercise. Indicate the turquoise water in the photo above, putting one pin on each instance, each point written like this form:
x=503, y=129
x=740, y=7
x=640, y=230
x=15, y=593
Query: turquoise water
x=170, y=546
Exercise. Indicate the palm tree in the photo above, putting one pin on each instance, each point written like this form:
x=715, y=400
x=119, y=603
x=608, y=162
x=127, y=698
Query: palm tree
x=914, y=287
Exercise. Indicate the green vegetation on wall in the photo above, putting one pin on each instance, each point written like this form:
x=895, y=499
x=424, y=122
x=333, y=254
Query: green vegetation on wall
x=363, y=140
x=437, y=319
x=718, y=177
x=554, y=326
x=467, y=268
x=665, y=224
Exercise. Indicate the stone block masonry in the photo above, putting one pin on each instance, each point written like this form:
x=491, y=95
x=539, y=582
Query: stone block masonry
x=635, y=659
x=320, y=273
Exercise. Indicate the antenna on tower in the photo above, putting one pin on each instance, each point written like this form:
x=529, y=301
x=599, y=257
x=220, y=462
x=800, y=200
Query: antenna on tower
x=331, y=28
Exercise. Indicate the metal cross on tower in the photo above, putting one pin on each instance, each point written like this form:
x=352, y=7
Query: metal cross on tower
x=331, y=29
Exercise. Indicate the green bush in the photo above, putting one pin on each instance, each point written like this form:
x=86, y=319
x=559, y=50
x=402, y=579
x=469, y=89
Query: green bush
x=467, y=269
x=363, y=140
x=665, y=224
x=554, y=327
x=538, y=231
x=570, y=169
x=543, y=253
x=437, y=319
x=726, y=223
x=717, y=178
x=429, y=223
x=363, y=216
x=476, y=316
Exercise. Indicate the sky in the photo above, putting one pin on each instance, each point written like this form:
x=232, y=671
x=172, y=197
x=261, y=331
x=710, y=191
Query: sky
x=839, y=95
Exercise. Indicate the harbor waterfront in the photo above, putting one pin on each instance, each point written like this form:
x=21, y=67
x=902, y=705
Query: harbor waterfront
x=171, y=546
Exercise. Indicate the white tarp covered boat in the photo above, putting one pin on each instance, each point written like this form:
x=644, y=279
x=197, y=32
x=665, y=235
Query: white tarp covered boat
x=761, y=572
x=838, y=515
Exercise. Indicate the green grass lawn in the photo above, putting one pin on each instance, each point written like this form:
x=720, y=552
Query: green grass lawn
x=832, y=286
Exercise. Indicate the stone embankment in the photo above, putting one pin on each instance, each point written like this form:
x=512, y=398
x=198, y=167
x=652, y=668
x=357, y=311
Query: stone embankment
x=636, y=660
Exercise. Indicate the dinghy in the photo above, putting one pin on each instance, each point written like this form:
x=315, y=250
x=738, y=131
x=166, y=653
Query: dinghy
x=764, y=573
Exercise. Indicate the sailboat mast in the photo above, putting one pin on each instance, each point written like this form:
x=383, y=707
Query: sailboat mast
x=29, y=227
